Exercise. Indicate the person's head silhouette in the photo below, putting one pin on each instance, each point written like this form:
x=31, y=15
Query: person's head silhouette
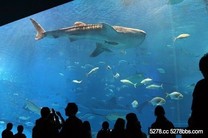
x=20, y=128
x=45, y=112
x=131, y=117
x=159, y=111
x=203, y=65
x=9, y=126
x=105, y=125
x=119, y=124
x=71, y=109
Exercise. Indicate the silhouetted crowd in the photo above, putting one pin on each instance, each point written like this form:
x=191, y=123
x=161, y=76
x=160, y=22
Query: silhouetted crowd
x=7, y=133
x=51, y=124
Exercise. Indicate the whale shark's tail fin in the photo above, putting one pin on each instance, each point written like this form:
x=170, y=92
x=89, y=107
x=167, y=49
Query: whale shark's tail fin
x=40, y=31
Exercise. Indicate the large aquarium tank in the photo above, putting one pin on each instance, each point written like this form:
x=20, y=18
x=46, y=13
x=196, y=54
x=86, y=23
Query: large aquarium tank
x=110, y=57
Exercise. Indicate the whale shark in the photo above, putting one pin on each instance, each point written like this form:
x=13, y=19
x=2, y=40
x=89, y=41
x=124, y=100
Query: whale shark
x=107, y=37
x=110, y=109
x=32, y=107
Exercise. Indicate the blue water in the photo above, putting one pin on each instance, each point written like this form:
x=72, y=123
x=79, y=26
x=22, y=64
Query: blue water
x=41, y=72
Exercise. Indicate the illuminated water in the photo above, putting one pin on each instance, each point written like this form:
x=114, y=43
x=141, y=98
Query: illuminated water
x=41, y=72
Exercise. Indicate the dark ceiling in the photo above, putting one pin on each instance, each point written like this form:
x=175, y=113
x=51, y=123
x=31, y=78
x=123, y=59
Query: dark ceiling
x=12, y=10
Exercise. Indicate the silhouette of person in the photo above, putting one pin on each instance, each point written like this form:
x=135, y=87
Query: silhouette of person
x=118, y=130
x=61, y=118
x=133, y=127
x=199, y=114
x=188, y=128
x=54, y=117
x=105, y=131
x=73, y=125
x=20, y=133
x=162, y=123
x=7, y=133
x=44, y=126
x=86, y=130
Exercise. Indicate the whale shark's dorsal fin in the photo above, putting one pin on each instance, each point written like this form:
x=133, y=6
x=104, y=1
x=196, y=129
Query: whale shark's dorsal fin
x=109, y=29
x=79, y=24
x=99, y=49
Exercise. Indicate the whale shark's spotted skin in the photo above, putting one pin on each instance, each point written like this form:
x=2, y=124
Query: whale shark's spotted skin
x=107, y=37
x=83, y=27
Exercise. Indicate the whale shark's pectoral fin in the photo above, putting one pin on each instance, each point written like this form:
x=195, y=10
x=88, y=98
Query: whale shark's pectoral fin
x=99, y=49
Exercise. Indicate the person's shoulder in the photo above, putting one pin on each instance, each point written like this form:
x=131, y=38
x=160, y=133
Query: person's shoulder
x=4, y=131
x=101, y=130
x=153, y=125
x=202, y=81
x=78, y=120
x=200, y=84
x=38, y=120
x=74, y=120
x=19, y=135
x=144, y=135
x=171, y=125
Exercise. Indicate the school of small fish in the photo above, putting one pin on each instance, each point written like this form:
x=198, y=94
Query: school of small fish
x=147, y=82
